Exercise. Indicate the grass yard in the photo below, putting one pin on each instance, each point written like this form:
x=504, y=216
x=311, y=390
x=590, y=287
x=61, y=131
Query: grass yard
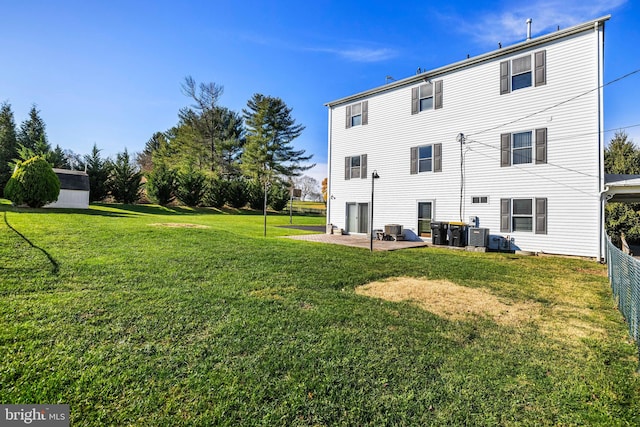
x=142, y=315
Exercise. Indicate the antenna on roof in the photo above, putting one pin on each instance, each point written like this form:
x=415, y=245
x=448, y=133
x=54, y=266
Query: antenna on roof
x=388, y=79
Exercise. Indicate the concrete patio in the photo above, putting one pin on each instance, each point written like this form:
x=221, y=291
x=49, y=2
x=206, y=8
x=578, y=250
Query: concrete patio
x=360, y=241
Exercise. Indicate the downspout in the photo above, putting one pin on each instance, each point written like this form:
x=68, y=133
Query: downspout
x=329, y=167
x=599, y=29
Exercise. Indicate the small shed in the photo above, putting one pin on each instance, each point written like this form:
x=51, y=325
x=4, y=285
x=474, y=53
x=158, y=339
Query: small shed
x=74, y=190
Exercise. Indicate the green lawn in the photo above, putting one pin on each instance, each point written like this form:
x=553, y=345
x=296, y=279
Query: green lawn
x=139, y=324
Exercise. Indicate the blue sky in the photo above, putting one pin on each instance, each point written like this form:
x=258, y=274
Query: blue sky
x=109, y=72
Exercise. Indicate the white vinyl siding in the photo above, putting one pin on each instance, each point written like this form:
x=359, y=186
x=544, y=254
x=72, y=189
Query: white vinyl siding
x=567, y=177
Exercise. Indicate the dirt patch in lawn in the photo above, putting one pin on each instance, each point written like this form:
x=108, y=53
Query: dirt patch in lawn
x=177, y=225
x=455, y=302
x=449, y=300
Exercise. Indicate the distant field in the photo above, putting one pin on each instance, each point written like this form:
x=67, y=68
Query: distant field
x=151, y=316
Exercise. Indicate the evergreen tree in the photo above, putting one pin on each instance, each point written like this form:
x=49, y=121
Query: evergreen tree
x=8, y=143
x=268, y=154
x=32, y=134
x=161, y=185
x=125, y=180
x=98, y=170
x=191, y=187
x=33, y=183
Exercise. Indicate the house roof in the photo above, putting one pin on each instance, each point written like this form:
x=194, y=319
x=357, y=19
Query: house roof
x=72, y=180
x=508, y=50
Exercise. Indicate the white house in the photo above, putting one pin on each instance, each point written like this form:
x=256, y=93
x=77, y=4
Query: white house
x=74, y=190
x=512, y=137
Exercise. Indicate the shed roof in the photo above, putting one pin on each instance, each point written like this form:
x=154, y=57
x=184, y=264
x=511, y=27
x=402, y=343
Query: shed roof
x=72, y=180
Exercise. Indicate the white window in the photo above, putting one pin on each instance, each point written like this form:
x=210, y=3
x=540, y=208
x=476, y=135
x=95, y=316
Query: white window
x=521, y=72
x=519, y=215
x=425, y=214
x=426, y=97
x=425, y=158
x=521, y=150
x=355, y=167
x=357, y=114
x=524, y=71
x=522, y=215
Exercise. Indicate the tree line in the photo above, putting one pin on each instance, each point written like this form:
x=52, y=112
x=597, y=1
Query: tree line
x=213, y=156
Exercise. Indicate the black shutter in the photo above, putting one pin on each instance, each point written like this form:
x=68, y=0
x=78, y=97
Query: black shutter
x=504, y=77
x=348, y=121
x=363, y=166
x=541, y=68
x=505, y=149
x=438, y=95
x=414, y=160
x=437, y=156
x=505, y=215
x=347, y=168
x=365, y=112
x=414, y=101
x=541, y=146
x=541, y=216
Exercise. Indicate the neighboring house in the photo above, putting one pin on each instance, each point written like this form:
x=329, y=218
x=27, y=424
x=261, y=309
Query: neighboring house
x=513, y=138
x=74, y=190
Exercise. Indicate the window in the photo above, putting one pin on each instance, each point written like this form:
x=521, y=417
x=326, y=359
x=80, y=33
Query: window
x=518, y=148
x=426, y=97
x=426, y=158
x=477, y=200
x=522, y=217
x=357, y=114
x=519, y=215
x=355, y=167
x=521, y=148
x=520, y=73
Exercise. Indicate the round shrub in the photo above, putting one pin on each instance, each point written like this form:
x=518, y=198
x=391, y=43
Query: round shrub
x=255, y=195
x=33, y=183
x=279, y=197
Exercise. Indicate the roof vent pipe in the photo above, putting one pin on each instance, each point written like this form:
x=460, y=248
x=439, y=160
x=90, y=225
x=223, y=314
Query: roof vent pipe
x=529, y=29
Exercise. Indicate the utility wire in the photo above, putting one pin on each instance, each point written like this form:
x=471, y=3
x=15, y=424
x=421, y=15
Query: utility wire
x=559, y=103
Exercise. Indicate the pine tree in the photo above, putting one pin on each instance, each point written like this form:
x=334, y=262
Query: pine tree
x=98, y=170
x=8, y=143
x=125, y=180
x=268, y=155
x=32, y=134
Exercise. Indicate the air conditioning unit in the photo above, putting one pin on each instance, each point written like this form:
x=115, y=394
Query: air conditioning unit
x=394, y=231
x=479, y=237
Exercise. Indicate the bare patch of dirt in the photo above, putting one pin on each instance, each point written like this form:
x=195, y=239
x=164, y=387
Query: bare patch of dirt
x=454, y=302
x=449, y=300
x=177, y=225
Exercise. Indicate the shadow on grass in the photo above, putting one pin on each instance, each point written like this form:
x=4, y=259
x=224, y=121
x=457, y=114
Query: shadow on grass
x=54, y=264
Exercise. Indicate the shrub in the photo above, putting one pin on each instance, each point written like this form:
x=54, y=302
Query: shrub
x=237, y=193
x=191, y=187
x=216, y=194
x=255, y=193
x=279, y=197
x=161, y=185
x=33, y=182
